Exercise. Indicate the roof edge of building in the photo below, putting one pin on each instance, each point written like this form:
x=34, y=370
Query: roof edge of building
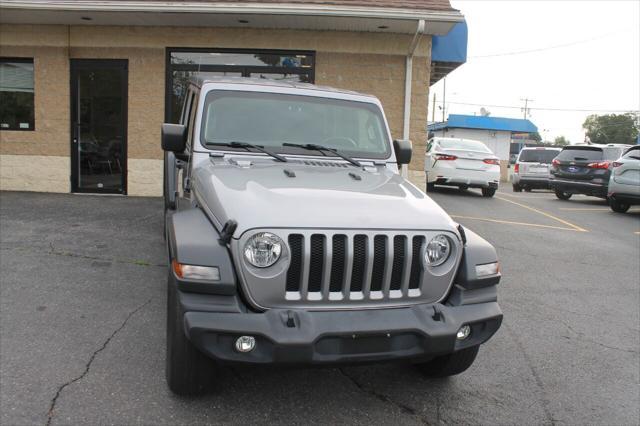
x=257, y=8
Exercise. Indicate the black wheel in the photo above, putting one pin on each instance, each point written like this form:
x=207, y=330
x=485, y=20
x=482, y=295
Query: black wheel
x=618, y=207
x=517, y=188
x=188, y=371
x=431, y=187
x=449, y=365
x=488, y=192
x=527, y=190
x=563, y=195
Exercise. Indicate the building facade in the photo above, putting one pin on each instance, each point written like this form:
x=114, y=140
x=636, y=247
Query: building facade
x=85, y=85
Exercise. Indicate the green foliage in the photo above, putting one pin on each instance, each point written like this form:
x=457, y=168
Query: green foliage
x=561, y=141
x=612, y=128
x=535, y=136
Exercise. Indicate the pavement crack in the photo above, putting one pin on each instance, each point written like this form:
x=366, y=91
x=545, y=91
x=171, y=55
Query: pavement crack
x=57, y=252
x=381, y=397
x=92, y=358
x=538, y=380
x=581, y=337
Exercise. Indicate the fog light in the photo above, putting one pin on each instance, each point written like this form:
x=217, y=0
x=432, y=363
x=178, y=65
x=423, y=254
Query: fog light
x=245, y=344
x=464, y=332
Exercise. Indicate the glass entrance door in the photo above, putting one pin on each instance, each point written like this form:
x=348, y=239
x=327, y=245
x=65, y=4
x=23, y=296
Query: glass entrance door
x=98, y=125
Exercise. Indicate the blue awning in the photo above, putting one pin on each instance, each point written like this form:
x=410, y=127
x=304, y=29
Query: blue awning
x=448, y=52
x=459, y=121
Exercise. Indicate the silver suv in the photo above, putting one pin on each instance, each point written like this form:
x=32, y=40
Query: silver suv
x=532, y=168
x=292, y=239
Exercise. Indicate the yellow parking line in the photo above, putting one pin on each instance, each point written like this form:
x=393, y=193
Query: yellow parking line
x=564, y=222
x=508, y=222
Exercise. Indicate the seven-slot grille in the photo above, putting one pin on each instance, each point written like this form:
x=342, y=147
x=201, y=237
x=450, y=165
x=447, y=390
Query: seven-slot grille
x=354, y=267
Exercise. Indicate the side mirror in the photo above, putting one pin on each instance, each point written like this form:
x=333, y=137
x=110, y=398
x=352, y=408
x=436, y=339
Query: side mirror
x=174, y=137
x=403, y=150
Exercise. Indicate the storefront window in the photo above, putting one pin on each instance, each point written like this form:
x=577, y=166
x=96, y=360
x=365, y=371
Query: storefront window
x=183, y=64
x=16, y=94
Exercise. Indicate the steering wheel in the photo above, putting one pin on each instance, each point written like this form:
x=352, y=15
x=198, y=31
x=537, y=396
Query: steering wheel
x=341, y=140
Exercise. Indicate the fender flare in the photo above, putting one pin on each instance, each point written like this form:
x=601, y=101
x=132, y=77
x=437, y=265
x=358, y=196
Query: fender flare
x=193, y=240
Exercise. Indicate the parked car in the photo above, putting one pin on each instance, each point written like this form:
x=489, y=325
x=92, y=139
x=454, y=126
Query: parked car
x=584, y=169
x=624, y=184
x=532, y=168
x=464, y=163
x=282, y=204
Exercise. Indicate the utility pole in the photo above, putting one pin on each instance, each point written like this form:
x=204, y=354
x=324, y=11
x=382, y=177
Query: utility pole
x=526, y=106
x=444, y=97
x=433, y=109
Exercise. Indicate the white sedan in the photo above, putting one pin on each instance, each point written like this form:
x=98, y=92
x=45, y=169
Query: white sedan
x=464, y=163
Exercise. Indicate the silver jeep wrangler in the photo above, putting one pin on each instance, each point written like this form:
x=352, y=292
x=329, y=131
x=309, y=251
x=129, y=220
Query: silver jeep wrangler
x=293, y=239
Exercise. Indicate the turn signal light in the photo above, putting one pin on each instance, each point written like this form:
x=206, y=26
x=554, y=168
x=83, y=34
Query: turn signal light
x=492, y=161
x=193, y=272
x=599, y=165
x=516, y=168
x=445, y=157
x=616, y=164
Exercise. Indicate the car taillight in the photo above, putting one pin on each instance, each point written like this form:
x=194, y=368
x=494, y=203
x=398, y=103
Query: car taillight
x=555, y=162
x=516, y=169
x=599, y=165
x=492, y=161
x=616, y=164
x=445, y=157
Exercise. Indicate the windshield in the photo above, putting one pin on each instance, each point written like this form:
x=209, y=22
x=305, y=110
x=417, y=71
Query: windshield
x=271, y=119
x=465, y=144
x=544, y=156
x=570, y=154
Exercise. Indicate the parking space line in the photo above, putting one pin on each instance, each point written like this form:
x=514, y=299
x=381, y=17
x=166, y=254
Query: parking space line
x=508, y=222
x=550, y=216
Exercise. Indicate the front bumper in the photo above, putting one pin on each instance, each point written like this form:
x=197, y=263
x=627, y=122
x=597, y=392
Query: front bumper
x=579, y=187
x=291, y=336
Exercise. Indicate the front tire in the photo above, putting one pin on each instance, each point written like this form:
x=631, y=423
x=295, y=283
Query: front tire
x=618, y=206
x=562, y=195
x=188, y=371
x=488, y=192
x=451, y=364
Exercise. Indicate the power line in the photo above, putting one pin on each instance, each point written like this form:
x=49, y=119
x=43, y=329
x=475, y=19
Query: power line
x=546, y=108
x=542, y=49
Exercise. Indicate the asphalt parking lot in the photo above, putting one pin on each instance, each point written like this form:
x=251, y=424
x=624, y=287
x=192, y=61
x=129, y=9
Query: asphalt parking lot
x=82, y=325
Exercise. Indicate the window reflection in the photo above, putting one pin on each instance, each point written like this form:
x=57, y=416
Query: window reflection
x=184, y=65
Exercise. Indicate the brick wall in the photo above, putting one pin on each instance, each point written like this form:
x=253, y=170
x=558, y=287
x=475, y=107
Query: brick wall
x=366, y=62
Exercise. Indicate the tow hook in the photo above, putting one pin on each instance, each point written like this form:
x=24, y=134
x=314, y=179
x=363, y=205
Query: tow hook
x=437, y=314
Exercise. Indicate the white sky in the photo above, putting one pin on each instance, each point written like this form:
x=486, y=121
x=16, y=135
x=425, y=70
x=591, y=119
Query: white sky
x=600, y=69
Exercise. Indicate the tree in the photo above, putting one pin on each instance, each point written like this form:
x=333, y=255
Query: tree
x=561, y=141
x=612, y=128
x=535, y=137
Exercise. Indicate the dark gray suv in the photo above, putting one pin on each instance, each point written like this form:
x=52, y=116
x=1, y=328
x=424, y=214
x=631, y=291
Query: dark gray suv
x=584, y=169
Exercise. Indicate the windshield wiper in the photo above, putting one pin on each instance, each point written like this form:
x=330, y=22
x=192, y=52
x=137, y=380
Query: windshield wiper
x=314, y=147
x=235, y=144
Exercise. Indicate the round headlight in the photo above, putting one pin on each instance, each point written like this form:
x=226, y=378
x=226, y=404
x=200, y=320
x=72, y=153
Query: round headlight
x=263, y=249
x=438, y=250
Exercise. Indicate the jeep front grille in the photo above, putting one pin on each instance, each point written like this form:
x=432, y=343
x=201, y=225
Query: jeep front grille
x=359, y=267
x=346, y=269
